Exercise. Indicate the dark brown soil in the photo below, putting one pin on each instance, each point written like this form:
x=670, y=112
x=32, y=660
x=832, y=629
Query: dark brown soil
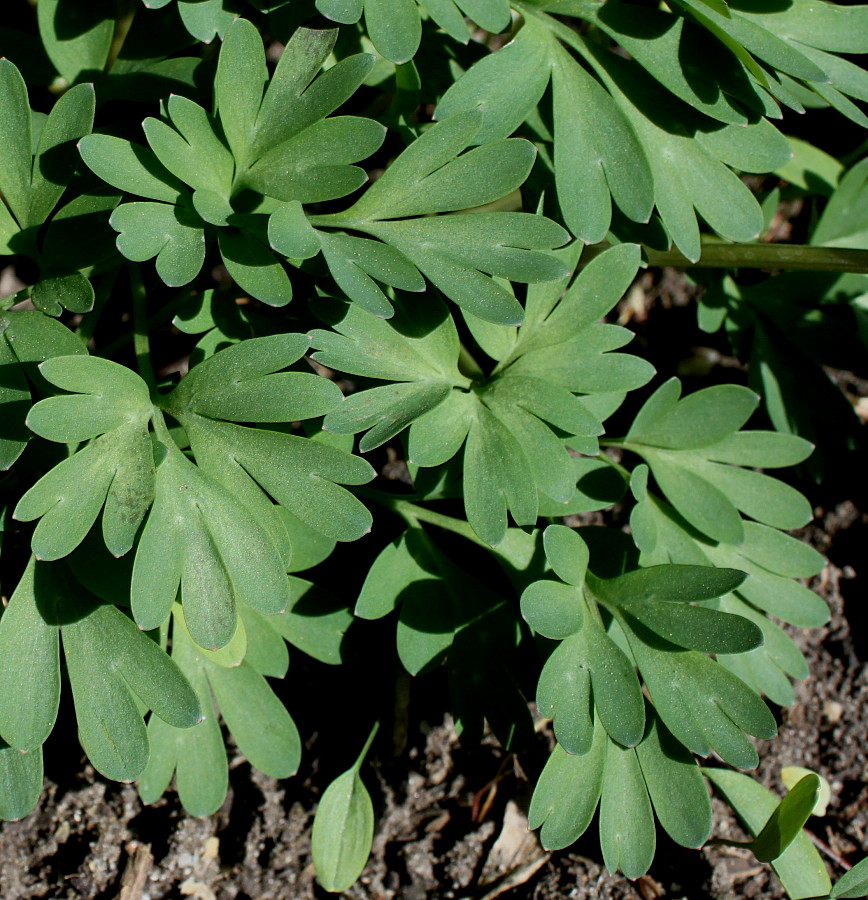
x=449, y=819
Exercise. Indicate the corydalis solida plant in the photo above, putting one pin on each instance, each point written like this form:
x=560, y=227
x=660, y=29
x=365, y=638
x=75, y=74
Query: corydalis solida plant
x=454, y=291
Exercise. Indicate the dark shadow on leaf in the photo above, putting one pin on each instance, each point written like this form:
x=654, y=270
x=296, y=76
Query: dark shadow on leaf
x=80, y=235
x=57, y=164
x=636, y=21
x=415, y=318
x=425, y=607
x=602, y=484
x=72, y=20
x=315, y=602
x=98, y=571
x=185, y=76
x=59, y=598
x=761, y=6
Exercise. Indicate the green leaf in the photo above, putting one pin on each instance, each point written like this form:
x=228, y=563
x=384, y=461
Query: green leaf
x=290, y=233
x=53, y=294
x=109, y=660
x=15, y=156
x=566, y=795
x=56, y=155
x=260, y=724
x=246, y=383
x=843, y=223
x=707, y=493
x=239, y=84
x=304, y=482
x=28, y=709
x=347, y=12
x=408, y=560
x=200, y=538
x=785, y=823
x=394, y=27
x=206, y=19
x=766, y=449
x=198, y=753
x=115, y=471
x=14, y=404
x=266, y=650
x=675, y=785
x=564, y=694
x=343, y=829
x=254, y=267
x=20, y=782
x=767, y=669
x=315, y=622
x=700, y=419
x=214, y=161
x=496, y=479
x=505, y=86
x=627, y=834
x=591, y=163
x=309, y=546
x=129, y=167
x=314, y=165
x=354, y=264
x=295, y=98
x=77, y=39
x=456, y=254
x=810, y=169
x=567, y=553
x=552, y=609
x=800, y=868
x=174, y=234
x=27, y=338
x=204, y=168
x=704, y=706
x=687, y=175
x=660, y=597
x=672, y=50
x=430, y=177
x=853, y=883
x=617, y=696
x=419, y=343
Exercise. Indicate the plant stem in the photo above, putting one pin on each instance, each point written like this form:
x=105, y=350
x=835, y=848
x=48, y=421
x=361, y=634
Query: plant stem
x=367, y=746
x=413, y=513
x=755, y=256
x=621, y=470
x=126, y=12
x=141, y=347
x=468, y=366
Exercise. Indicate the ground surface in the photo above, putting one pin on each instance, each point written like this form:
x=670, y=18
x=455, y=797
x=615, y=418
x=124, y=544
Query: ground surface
x=449, y=818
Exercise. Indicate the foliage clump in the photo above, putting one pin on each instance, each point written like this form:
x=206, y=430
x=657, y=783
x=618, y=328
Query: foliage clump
x=263, y=244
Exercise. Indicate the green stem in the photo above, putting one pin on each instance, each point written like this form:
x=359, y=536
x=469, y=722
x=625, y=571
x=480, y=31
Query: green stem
x=755, y=256
x=126, y=12
x=468, y=366
x=413, y=513
x=367, y=746
x=621, y=470
x=141, y=347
